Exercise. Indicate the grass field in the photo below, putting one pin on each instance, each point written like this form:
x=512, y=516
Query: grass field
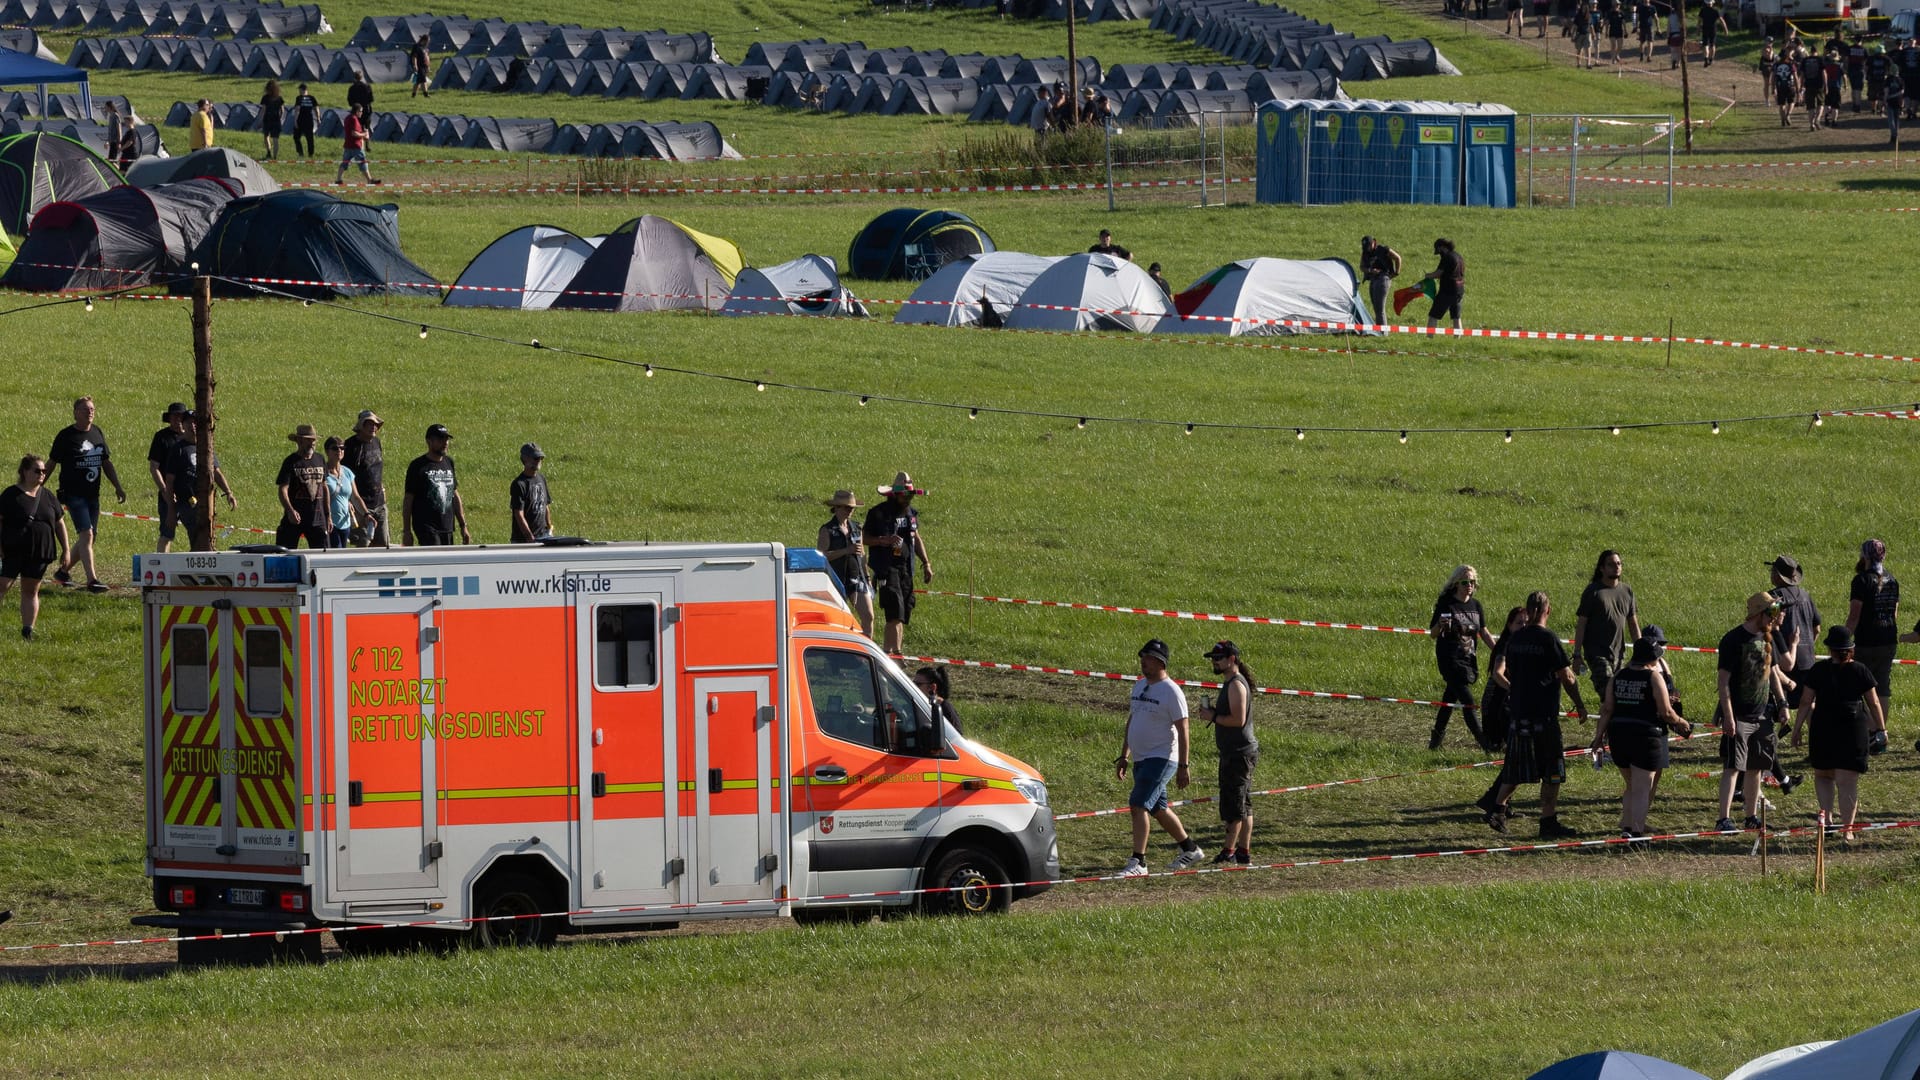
x=1447, y=968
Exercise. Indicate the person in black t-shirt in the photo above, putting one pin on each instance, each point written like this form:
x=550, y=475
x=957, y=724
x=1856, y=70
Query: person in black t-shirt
x=1712, y=21
x=1841, y=714
x=306, y=121
x=933, y=682
x=891, y=533
x=80, y=453
x=528, y=499
x=1231, y=715
x=1458, y=625
x=1450, y=284
x=361, y=93
x=183, y=483
x=1873, y=615
x=30, y=523
x=432, y=506
x=1536, y=669
x=1633, y=725
x=1749, y=682
x=1605, y=622
x=158, y=451
x=302, y=483
x=420, y=66
x=1379, y=265
x=363, y=455
x=839, y=540
x=1493, y=710
x=1106, y=246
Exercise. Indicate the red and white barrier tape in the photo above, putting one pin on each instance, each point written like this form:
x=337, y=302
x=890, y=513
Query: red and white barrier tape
x=631, y=189
x=224, y=529
x=895, y=894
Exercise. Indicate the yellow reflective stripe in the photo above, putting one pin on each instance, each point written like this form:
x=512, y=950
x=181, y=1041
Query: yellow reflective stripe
x=506, y=792
x=635, y=789
x=390, y=796
x=957, y=778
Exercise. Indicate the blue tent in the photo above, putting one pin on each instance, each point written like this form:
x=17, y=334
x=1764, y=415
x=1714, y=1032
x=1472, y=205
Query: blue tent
x=1616, y=1065
x=911, y=244
x=333, y=248
x=20, y=69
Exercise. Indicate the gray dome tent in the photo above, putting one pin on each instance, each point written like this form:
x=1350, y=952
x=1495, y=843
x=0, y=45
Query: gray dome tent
x=654, y=264
x=310, y=236
x=220, y=161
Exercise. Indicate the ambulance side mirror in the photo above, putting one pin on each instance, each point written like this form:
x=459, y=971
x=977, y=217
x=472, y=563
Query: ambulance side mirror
x=934, y=738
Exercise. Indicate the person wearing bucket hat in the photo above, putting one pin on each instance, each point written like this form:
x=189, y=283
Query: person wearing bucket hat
x=839, y=541
x=302, y=483
x=432, y=505
x=1873, y=616
x=367, y=458
x=1231, y=715
x=528, y=499
x=1800, y=621
x=892, y=537
x=1157, y=743
x=159, y=448
x=1748, y=682
x=1845, y=723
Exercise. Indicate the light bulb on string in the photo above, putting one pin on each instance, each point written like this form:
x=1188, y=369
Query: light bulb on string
x=863, y=400
x=1189, y=429
x=1818, y=420
x=649, y=371
x=1300, y=434
x=535, y=343
x=1082, y=425
x=1615, y=429
x=973, y=414
x=1403, y=438
x=423, y=333
x=760, y=386
x=89, y=303
x=1716, y=427
x=1509, y=437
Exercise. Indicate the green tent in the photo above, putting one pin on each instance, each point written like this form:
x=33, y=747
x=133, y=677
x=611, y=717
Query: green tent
x=38, y=167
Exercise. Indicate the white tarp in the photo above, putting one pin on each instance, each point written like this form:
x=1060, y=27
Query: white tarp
x=1091, y=292
x=951, y=297
x=1243, y=295
x=1890, y=1051
x=524, y=269
x=808, y=285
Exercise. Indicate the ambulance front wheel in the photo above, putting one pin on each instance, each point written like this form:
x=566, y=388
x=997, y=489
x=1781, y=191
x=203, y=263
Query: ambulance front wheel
x=971, y=882
x=510, y=903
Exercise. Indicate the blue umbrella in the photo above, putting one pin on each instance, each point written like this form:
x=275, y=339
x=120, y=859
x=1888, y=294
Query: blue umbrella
x=1616, y=1065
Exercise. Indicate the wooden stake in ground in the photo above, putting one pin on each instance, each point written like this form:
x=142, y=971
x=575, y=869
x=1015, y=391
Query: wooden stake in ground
x=202, y=536
x=1073, y=69
x=1686, y=90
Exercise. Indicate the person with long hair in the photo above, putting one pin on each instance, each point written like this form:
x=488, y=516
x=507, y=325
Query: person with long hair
x=1493, y=709
x=1231, y=715
x=933, y=683
x=273, y=114
x=1873, y=616
x=31, y=522
x=1606, y=620
x=1537, y=668
x=1841, y=715
x=1458, y=625
x=1634, y=719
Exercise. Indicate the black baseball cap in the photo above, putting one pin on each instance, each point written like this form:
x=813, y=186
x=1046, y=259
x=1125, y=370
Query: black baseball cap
x=439, y=431
x=1156, y=649
x=532, y=450
x=1223, y=648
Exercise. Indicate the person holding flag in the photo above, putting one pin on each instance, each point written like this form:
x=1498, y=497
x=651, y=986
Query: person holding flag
x=1445, y=286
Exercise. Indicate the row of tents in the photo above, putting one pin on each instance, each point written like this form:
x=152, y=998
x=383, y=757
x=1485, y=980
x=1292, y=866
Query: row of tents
x=27, y=42
x=665, y=140
x=183, y=18
x=40, y=168
x=1273, y=37
x=464, y=36
x=88, y=133
x=269, y=60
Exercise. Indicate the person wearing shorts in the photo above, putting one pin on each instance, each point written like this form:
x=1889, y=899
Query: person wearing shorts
x=1536, y=668
x=30, y=523
x=1450, y=280
x=1156, y=743
x=158, y=451
x=1231, y=715
x=891, y=533
x=353, y=145
x=1514, y=17
x=1748, y=684
x=1633, y=725
x=420, y=66
x=80, y=453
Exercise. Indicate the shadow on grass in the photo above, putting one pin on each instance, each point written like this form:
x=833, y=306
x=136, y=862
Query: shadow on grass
x=1888, y=183
x=50, y=974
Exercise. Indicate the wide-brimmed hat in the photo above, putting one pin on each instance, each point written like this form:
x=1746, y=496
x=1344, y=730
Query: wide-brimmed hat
x=1838, y=638
x=532, y=450
x=303, y=431
x=843, y=497
x=1156, y=649
x=1787, y=567
x=178, y=408
x=1762, y=602
x=902, y=485
x=366, y=415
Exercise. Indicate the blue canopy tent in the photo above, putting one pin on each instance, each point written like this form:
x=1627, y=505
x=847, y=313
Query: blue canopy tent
x=20, y=69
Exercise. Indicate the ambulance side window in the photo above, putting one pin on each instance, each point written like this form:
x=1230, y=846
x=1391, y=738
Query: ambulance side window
x=263, y=671
x=192, y=670
x=841, y=686
x=624, y=653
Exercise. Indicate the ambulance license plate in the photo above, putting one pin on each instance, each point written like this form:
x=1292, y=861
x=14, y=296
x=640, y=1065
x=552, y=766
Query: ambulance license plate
x=247, y=897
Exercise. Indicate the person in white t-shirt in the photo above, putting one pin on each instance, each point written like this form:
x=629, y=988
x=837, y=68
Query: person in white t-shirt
x=1157, y=743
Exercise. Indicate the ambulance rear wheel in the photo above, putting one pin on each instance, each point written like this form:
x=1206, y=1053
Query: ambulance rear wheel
x=509, y=901
x=973, y=881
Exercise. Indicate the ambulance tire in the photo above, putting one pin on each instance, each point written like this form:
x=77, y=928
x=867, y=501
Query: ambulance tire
x=977, y=879
x=510, y=894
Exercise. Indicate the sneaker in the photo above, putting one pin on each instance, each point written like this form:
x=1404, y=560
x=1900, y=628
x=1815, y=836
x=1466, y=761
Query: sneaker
x=63, y=577
x=1551, y=829
x=1188, y=858
x=1791, y=782
x=96, y=586
x=1725, y=824
x=1225, y=856
x=1135, y=867
x=1750, y=822
x=1243, y=857
x=1497, y=821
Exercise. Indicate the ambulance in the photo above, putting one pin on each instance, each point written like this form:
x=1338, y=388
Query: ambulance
x=555, y=738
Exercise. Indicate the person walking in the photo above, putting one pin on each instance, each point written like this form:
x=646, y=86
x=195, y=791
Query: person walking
x=933, y=683
x=1493, y=711
x=1157, y=743
x=353, y=145
x=121, y=143
x=158, y=451
x=1379, y=265
x=1605, y=621
x=344, y=506
x=1894, y=100
x=1643, y=20
x=839, y=541
x=1813, y=88
x=80, y=453
x=1516, y=19
x=1231, y=715
x=1537, y=669
x=360, y=92
x=183, y=483
x=1873, y=616
x=200, y=126
x=1747, y=685
x=420, y=67
x=1786, y=87
x=306, y=121
x=1793, y=647
x=891, y=533
x=302, y=484
x=528, y=499
x=431, y=506
x=1458, y=626
x=273, y=113
x=1845, y=724
x=33, y=533
x=1712, y=21
x=364, y=458
x=1450, y=284
x=1634, y=719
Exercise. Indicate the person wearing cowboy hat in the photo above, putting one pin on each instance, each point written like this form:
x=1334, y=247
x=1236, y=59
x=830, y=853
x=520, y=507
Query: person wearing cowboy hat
x=363, y=454
x=158, y=450
x=305, y=513
x=839, y=541
x=892, y=537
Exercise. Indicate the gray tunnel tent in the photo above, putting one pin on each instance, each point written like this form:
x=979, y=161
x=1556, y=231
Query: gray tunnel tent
x=278, y=23
x=526, y=269
x=219, y=161
x=387, y=66
x=1398, y=59
x=953, y=295
x=510, y=135
x=931, y=97
x=1252, y=297
x=1287, y=85
x=808, y=285
x=27, y=43
x=654, y=264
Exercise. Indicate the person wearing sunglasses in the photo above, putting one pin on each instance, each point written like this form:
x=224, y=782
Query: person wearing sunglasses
x=1458, y=626
x=31, y=522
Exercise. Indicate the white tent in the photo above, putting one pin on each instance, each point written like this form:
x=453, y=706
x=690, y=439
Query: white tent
x=1241, y=297
x=809, y=285
x=1890, y=1051
x=951, y=297
x=524, y=269
x=1766, y=1061
x=1091, y=292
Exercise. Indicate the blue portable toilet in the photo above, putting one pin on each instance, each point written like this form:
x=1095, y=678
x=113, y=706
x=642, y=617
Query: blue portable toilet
x=1429, y=152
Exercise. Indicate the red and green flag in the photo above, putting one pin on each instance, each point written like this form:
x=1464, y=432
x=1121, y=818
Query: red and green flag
x=1188, y=302
x=1428, y=288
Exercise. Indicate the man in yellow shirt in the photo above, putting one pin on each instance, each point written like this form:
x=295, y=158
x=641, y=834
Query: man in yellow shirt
x=200, y=131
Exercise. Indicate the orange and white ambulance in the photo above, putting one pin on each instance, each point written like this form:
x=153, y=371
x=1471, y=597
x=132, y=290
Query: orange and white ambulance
x=629, y=734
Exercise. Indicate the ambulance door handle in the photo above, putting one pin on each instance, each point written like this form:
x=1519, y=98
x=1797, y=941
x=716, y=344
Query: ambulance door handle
x=354, y=793
x=716, y=782
x=599, y=785
x=676, y=867
x=830, y=773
